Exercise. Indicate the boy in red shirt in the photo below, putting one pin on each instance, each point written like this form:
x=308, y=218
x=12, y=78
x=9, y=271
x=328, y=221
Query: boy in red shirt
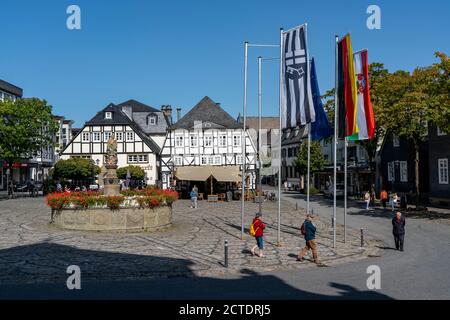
x=259, y=227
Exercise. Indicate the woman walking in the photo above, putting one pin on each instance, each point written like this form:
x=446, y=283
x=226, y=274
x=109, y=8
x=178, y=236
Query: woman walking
x=258, y=229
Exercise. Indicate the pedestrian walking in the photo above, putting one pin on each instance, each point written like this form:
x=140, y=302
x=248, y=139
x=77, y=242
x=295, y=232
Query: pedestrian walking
x=257, y=230
x=367, y=199
x=394, y=201
x=372, y=196
x=308, y=230
x=194, y=195
x=384, y=198
x=398, y=229
x=59, y=187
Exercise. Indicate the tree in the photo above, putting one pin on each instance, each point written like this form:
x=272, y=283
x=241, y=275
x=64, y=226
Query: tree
x=26, y=128
x=75, y=169
x=317, y=159
x=137, y=173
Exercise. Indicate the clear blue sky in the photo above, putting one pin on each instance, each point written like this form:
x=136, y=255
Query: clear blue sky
x=175, y=52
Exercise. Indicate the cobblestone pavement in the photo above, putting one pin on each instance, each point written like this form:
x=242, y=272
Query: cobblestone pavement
x=32, y=250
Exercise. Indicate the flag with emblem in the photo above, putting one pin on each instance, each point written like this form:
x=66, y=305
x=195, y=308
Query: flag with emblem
x=297, y=107
x=365, y=118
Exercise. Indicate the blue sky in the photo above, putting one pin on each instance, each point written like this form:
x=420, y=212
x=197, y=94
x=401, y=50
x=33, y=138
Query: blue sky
x=175, y=52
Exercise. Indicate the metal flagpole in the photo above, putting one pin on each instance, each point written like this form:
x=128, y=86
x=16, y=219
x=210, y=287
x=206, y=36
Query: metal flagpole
x=279, y=139
x=259, y=131
x=243, y=140
x=335, y=141
x=345, y=189
x=309, y=168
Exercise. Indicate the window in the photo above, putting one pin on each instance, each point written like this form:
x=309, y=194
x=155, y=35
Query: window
x=178, y=161
x=217, y=160
x=391, y=171
x=443, y=171
x=204, y=160
x=119, y=136
x=236, y=141
x=239, y=159
x=85, y=136
x=207, y=141
x=403, y=171
x=137, y=158
x=222, y=141
x=96, y=136
x=152, y=120
x=440, y=132
x=108, y=115
x=395, y=140
x=107, y=135
x=193, y=141
x=130, y=136
x=179, y=141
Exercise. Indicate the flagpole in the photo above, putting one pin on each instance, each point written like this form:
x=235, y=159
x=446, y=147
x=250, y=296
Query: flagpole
x=335, y=140
x=243, y=139
x=345, y=189
x=309, y=168
x=280, y=134
x=259, y=131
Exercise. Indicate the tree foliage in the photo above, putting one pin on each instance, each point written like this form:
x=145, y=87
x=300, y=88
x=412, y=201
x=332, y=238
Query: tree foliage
x=317, y=159
x=75, y=169
x=137, y=173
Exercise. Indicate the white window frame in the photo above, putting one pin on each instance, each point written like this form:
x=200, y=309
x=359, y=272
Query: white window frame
x=443, y=170
x=108, y=115
x=96, y=136
x=179, y=141
x=237, y=141
x=395, y=141
x=119, y=136
x=152, y=120
x=391, y=171
x=239, y=159
x=440, y=132
x=130, y=135
x=193, y=141
x=403, y=171
x=204, y=160
x=107, y=135
x=178, y=161
x=208, y=141
x=217, y=160
x=85, y=137
x=222, y=140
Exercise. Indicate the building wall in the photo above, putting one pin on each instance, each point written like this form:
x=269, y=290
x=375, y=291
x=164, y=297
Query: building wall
x=439, y=148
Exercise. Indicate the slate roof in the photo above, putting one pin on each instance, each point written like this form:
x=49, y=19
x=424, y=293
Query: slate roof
x=10, y=88
x=137, y=106
x=289, y=137
x=207, y=111
x=266, y=122
x=118, y=117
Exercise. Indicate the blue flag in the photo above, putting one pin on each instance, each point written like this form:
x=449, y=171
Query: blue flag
x=320, y=128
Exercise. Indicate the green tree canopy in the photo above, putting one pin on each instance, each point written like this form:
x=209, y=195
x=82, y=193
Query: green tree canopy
x=136, y=172
x=75, y=169
x=317, y=159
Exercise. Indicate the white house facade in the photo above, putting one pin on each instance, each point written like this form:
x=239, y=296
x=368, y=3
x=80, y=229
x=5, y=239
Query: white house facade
x=205, y=139
x=140, y=133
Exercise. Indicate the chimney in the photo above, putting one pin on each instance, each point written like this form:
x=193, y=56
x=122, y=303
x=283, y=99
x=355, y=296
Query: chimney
x=178, y=114
x=167, y=111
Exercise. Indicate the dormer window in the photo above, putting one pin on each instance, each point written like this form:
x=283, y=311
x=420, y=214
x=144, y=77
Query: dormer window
x=152, y=120
x=108, y=115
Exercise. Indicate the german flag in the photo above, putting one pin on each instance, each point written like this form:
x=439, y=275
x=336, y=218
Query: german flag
x=346, y=89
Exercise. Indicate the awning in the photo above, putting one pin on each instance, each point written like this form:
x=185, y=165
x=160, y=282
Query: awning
x=202, y=173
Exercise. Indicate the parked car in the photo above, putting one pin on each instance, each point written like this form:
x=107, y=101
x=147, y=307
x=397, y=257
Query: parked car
x=329, y=193
x=21, y=187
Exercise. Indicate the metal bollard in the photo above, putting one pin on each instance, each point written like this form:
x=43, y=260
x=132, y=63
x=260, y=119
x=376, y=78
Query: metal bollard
x=226, y=253
x=362, y=237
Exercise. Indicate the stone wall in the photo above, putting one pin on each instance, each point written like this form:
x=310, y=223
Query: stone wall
x=125, y=219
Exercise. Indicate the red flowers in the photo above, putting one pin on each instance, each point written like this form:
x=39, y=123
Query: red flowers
x=150, y=198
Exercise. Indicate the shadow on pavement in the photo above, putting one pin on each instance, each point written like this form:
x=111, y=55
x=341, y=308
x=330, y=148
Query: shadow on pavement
x=112, y=275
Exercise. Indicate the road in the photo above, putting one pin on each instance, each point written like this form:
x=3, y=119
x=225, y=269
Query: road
x=420, y=272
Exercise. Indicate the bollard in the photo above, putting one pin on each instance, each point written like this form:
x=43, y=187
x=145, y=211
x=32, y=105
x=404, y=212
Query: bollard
x=226, y=253
x=362, y=237
x=296, y=206
x=332, y=222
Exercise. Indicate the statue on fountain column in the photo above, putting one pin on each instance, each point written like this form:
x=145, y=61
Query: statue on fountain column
x=112, y=186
